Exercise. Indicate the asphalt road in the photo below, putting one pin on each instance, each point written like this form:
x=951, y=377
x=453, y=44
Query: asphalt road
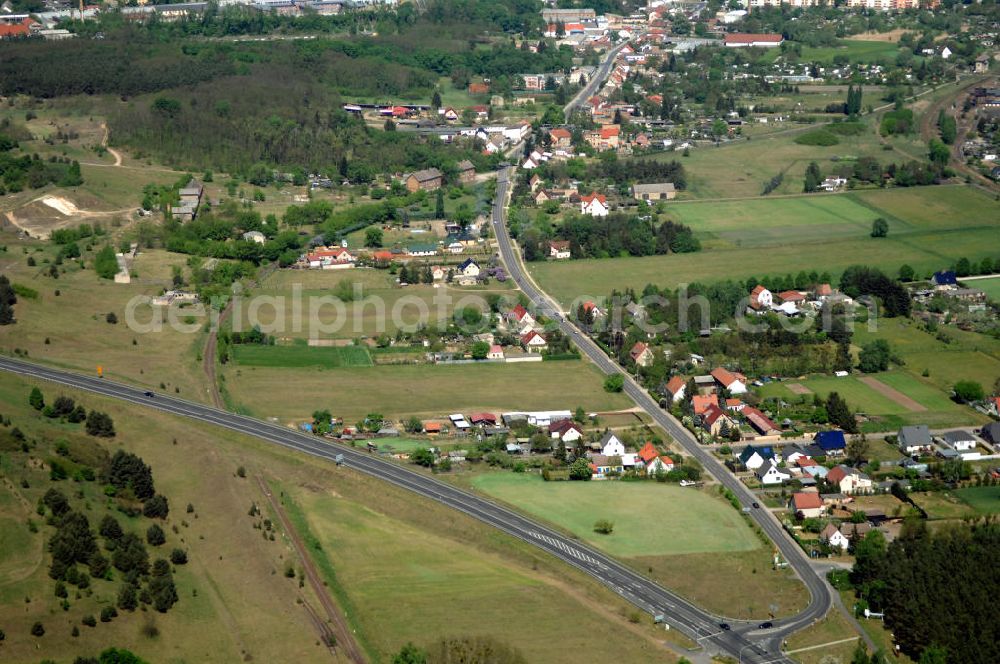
x=820, y=592
x=743, y=638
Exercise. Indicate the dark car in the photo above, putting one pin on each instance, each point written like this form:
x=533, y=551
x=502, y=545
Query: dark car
x=724, y=627
x=765, y=625
x=148, y=394
x=756, y=506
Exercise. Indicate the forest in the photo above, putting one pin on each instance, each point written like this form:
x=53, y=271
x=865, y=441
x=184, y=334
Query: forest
x=937, y=589
x=615, y=235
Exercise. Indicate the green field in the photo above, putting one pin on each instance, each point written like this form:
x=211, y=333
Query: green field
x=941, y=505
x=650, y=519
x=422, y=390
x=251, y=355
x=990, y=286
x=929, y=228
x=983, y=499
x=858, y=50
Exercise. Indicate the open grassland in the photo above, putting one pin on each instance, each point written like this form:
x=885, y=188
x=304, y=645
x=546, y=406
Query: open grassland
x=232, y=606
x=70, y=329
x=694, y=544
x=301, y=356
x=990, y=286
x=410, y=585
x=822, y=638
x=740, y=169
x=983, y=499
x=376, y=304
x=687, y=520
x=292, y=395
x=929, y=228
x=941, y=505
x=415, y=570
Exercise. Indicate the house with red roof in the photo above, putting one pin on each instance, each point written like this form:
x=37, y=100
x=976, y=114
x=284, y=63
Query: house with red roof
x=521, y=318
x=17, y=30
x=330, y=258
x=808, y=504
x=714, y=418
x=701, y=402
x=567, y=431
x=487, y=419
x=559, y=249
x=760, y=422
x=641, y=354
x=479, y=88
x=748, y=40
x=850, y=480
x=732, y=381
x=596, y=205
x=605, y=138
x=433, y=427
x=761, y=299
x=648, y=452
x=675, y=389
x=660, y=464
x=561, y=138
x=533, y=341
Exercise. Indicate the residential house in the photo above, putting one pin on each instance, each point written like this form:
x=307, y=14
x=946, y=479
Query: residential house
x=944, y=280
x=535, y=182
x=807, y=503
x=735, y=404
x=605, y=138
x=702, y=402
x=330, y=258
x=533, y=341
x=761, y=299
x=428, y=179
x=770, y=474
x=495, y=352
x=831, y=536
x=734, y=382
x=753, y=458
x=850, y=480
x=855, y=531
x=468, y=268
x=793, y=453
x=760, y=422
x=422, y=249
x=792, y=296
x=675, y=389
x=714, y=419
x=449, y=114
x=641, y=354
x=991, y=433
x=483, y=419
x=561, y=138
x=603, y=466
x=433, y=428
x=520, y=317
x=438, y=272
x=915, y=439
x=567, y=431
x=663, y=191
x=596, y=205
x=255, y=236
x=809, y=467
x=960, y=441
x=559, y=249
x=648, y=452
x=660, y=464
x=466, y=171
x=611, y=445
x=831, y=442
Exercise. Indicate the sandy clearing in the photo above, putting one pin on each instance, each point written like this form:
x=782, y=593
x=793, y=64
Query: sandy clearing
x=798, y=388
x=62, y=205
x=893, y=394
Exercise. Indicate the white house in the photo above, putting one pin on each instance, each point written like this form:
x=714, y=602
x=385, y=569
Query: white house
x=611, y=446
x=660, y=463
x=496, y=352
x=468, y=268
x=769, y=474
x=533, y=341
x=833, y=537
x=761, y=299
x=567, y=431
x=850, y=480
x=596, y=205
x=735, y=383
x=914, y=439
x=255, y=236
x=960, y=441
x=438, y=272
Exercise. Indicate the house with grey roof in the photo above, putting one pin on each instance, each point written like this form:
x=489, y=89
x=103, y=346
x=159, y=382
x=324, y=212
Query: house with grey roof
x=660, y=191
x=915, y=439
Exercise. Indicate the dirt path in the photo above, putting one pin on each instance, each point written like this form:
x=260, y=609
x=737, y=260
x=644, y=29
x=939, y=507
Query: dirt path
x=339, y=627
x=892, y=394
x=104, y=143
x=208, y=356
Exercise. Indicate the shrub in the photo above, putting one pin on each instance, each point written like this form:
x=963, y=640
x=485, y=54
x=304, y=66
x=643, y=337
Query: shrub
x=604, y=527
x=89, y=621
x=108, y=613
x=38, y=629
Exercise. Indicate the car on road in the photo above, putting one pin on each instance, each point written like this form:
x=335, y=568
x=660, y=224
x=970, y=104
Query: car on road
x=765, y=625
x=724, y=627
x=756, y=506
x=148, y=394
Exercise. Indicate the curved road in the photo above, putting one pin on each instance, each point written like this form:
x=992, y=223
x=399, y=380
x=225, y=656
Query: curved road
x=629, y=584
x=821, y=594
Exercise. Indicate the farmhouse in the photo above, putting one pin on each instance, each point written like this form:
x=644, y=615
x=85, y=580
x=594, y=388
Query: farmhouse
x=850, y=480
x=595, y=205
x=466, y=171
x=944, y=280
x=663, y=191
x=734, y=382
x=915, y=439
x=428, y=179
x=761, y=423
x=808, y=504
x=559, y=249
x=760, y=299
x=753, y=39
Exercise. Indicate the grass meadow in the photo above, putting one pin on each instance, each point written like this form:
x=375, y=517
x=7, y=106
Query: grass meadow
x=929, y=228
x=301, y=356
x=990, y=286
x=984, y=499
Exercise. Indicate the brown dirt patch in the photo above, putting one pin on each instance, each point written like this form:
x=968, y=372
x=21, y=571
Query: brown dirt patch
x=890, y=393
x=890, y=36
x=798, y=388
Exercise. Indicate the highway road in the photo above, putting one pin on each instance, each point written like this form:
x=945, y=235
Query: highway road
x=742, y=638
x=821, y=594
